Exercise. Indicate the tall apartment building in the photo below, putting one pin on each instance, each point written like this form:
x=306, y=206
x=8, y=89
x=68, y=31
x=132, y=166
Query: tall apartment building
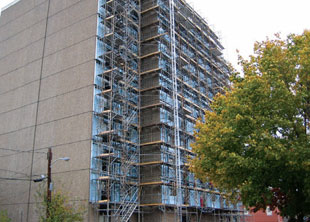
x=117, y=86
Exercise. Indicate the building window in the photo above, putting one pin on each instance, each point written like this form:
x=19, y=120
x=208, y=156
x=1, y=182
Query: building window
x=268, y=211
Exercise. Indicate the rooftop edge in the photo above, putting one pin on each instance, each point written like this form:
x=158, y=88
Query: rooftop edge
x=8, y=6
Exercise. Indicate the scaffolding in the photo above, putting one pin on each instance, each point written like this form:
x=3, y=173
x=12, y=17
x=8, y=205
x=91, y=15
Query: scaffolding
x=115, y=149
x=158, y=66
x=181, y=70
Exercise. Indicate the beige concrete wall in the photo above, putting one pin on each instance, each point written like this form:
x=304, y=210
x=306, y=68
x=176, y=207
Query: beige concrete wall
x=62, y=80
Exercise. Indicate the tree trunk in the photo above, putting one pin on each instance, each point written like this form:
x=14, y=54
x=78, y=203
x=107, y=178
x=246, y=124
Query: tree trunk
x=300, y=218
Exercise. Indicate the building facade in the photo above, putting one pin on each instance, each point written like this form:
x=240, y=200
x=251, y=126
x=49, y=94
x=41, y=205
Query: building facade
x=117, y=86
x=266, y=216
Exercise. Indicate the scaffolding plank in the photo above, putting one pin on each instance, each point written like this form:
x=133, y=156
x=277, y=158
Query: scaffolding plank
x=107, y=71
x=103, y=201
x=182, y=58
x=110, y=17
x=150, y=88
x=149, y=71
x=150, y=54
x=154, y=37
x=186, y=110
x=104, y=92
x=109, y=34
x=103, y=113
x=105, y=178
x=104, y=155
x=151, y=205
x=152, y=143
x=190, y=102
x=104, y=133
x=187, y=150
x=152, y=105
x=149, y=9
x=128, y=142
x=151, y=163
x=152, y=183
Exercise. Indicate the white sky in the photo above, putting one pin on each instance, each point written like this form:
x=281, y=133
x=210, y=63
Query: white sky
x=240, y=23
x=5, y=2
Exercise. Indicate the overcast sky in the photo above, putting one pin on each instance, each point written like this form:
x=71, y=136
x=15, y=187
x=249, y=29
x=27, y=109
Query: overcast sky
x=5, y=2
x=240, y=23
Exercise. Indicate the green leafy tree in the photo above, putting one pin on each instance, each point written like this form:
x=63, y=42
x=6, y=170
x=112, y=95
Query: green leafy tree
x=60, y=210
x=4, y=216
x=255, y=142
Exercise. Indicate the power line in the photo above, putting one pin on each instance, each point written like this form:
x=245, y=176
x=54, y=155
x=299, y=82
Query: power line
x=24, y=169
x=7, y=178
x=49, y=98
x=15, y=150
x=52, y=121
x=45, y=148
x=11, y=171
x=37, y=202
x=12, y=154
x=36, y=175
x=18, y=152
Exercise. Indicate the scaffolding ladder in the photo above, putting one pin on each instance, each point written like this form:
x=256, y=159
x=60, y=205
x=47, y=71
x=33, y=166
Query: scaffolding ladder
x=178, y=182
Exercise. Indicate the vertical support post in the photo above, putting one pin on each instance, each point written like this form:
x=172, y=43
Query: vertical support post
x=49, y=180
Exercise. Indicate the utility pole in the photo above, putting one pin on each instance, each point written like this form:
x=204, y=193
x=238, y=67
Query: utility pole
x=49, y=180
